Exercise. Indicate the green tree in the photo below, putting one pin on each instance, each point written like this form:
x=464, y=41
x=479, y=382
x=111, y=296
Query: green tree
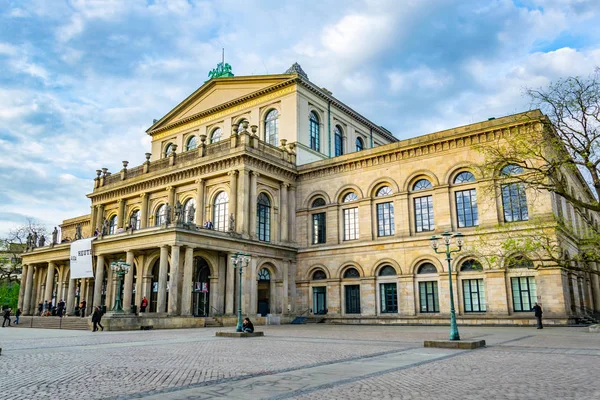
x=9, y=295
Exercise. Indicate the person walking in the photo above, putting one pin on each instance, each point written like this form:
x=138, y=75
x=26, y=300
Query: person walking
x=82, y=308
x=17, y=315
x=6, y=317
x=144, y=304
x=538, y=314
x=96, y=318
x=40, y=308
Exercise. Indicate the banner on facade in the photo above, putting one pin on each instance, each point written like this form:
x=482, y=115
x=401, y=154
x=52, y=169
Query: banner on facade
x=81, y=259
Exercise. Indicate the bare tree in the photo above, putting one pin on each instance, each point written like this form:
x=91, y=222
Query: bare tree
x=13, y=245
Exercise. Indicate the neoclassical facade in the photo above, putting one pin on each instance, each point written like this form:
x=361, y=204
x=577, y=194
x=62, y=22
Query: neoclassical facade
x=334, y=211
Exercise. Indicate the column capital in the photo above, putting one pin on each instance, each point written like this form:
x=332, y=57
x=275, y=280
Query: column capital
x=199, y=181
x=255, y=174
x=284, y=184
x=143, y=195
x=169, y=188
x=120, y=201
x=233, y=172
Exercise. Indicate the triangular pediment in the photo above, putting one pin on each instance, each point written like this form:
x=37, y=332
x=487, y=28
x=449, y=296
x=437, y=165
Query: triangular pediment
x=217, y=92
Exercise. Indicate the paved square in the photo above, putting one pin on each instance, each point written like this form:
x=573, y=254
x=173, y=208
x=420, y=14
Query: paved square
x=299, y=362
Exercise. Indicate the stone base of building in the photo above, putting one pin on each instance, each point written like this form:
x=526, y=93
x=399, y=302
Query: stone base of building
x=455, y=344
x=130, y=322
x=508, y=320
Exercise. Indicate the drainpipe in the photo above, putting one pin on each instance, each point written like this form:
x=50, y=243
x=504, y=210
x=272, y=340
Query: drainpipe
x=371, y=137
x=329, y=125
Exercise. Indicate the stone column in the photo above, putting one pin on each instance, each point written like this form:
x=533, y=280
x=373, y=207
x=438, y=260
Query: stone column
x=292, y=214
x=93, y=218
x=144, y=211
x=253, y=185
x=128, y=284
x=120, y=213
x=221, y=288
x=49, y=282
x=199, y=217
x=109, y=290
x=284, y=297
x=28, y=290
x=232, y=198
x=229, y=286
x=171, y=198
x=186, y=288
x=283, y=210
x=367, y=296
x=90, y=294
x=22, y=286
x=243, y=210
x=100, y=216
x=406, y=295
x=70, y=295
x=163, y=271
x=174, y=281
x=595, y=286
x=98, y=280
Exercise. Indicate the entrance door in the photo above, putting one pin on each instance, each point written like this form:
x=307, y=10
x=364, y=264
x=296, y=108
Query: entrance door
x=264, y=289
x=319, y=300
x=352, y=299
x=154, y=286
x=200, y=297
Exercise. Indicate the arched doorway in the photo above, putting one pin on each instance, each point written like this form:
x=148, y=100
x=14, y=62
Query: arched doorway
x=154, y=286
x=200, y=291
x=264, y=289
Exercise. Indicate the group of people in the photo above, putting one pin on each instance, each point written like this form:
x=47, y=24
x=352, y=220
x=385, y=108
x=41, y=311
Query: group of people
x=7, y=313
x=45, y=308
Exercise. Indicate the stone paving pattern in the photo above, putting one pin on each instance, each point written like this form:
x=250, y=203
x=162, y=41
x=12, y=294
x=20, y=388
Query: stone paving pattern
x=300, y=362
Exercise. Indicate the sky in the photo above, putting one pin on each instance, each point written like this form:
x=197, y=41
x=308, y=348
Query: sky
x=82, y=80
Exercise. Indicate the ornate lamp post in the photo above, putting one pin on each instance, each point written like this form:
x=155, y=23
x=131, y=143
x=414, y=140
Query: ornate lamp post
x=447, y=236
x=120, y=268
x=240, y=260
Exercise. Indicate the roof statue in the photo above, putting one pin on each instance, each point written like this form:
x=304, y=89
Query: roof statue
x=223, y=70
x=296, y=69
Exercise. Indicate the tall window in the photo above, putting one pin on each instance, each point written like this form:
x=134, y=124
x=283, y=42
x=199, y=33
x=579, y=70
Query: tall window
x=216, y=135
x=221, y=211
x=136, y=219
x=474, y=295
x=360, y=145
x=524, y=293
x=339, y=141
x=428, y=295
x=350, y=218
x=315, y=134
x=168, y=149
x=161, y=215
x=272, y=127
x=352, y=292
x=389, y=298
x=385, y=213
x=263, y=216
x=514, y=202
x=188, y=216
x=466, y=208
x=318, y=223
x=192, y=143
x=424, y=214
x=112, y=227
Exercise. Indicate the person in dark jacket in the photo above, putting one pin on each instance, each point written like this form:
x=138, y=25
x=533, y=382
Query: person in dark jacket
x=60, y=308
x=40, y=308
x=82, y=308
x=96, y=318
x=538, y=314
x=17, y=315
x=247, y=326
x=6, y=317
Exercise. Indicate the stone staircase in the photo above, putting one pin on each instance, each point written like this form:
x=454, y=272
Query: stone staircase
x=69, y=323
x=210, y=322
x=588, y=319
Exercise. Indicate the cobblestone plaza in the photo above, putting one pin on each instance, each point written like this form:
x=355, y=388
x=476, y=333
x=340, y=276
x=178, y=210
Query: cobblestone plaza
x=300, y=362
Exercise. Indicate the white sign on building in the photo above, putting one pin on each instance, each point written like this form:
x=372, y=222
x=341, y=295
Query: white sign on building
x=81, y=259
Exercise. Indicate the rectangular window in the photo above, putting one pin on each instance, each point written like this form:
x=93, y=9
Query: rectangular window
x=514, y=202
x=424, y=214
x=351, y=223
x=352, y=299
x=318, y=228
x=385, y=219
x=428, y=294
x=474, y=295
x=466, y=208
x=389, y=298
x=523, y=292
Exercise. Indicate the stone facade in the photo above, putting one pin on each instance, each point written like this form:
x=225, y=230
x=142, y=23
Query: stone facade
x=344, y=236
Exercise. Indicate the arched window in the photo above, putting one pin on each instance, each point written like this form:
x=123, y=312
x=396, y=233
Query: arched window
x=220, y=211
x=264, y=275
x=383, y=191
x=161, y=215
x=464, y=177
x=388, y=270
x=385, y=213
x=315, y=134
x=188, y=213
x=263, y=225
x=135, y=219
x=272, y=127
x=427, y=268
x=350, y=197
x=360, y=145
x=519, y=262
x=318, y=202
x=422, y=184
x=351, y=273
x=511, y=169
x=112, y=225
x=339, y=141
x=471, y=265
x=215, y=136
x=318, y=275
x=241, y=125
x=192, y=143
x=168, y=149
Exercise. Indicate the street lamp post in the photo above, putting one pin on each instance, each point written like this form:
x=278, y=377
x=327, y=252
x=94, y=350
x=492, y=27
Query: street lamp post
x=120, y=268
x=447, y=236
x=240, y=260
